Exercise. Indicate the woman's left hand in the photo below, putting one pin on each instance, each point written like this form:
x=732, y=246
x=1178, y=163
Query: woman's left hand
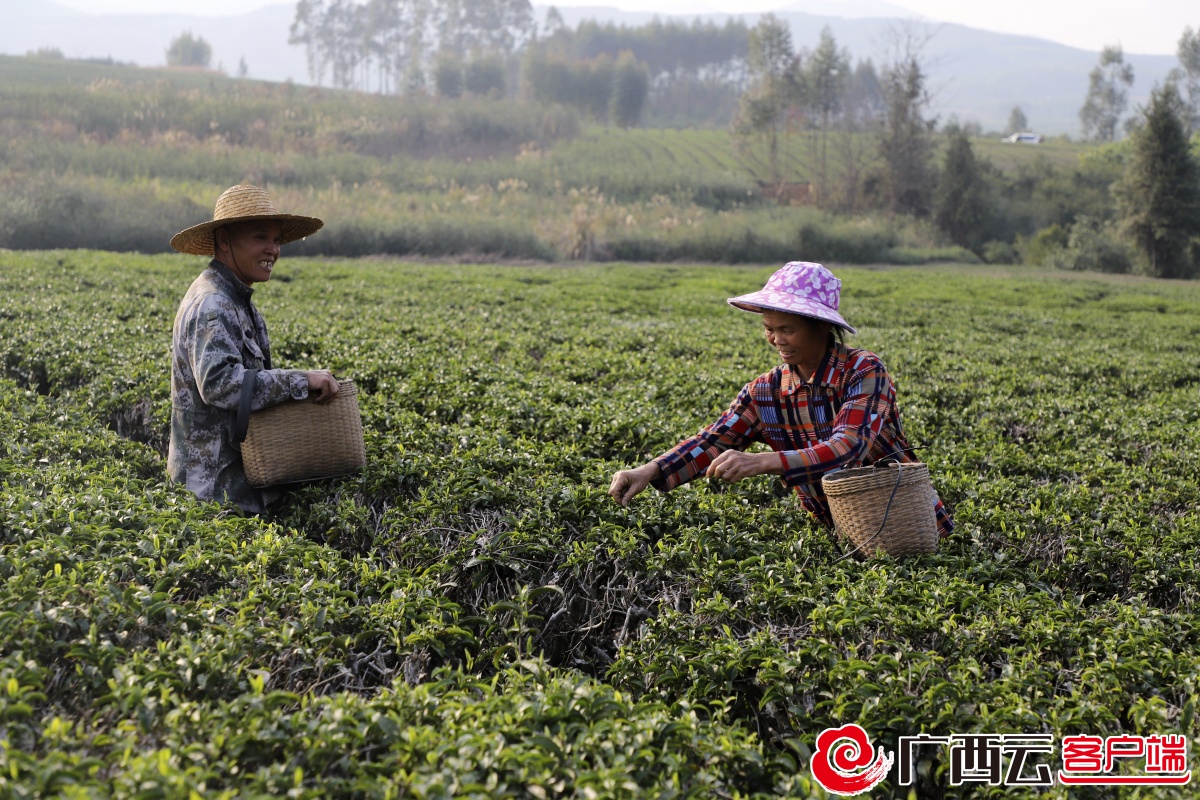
x=733, y=465
x=322, y=386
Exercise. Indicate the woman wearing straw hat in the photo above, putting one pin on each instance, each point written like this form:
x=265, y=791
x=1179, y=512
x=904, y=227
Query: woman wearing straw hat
x=826, y=407
x=220, y=353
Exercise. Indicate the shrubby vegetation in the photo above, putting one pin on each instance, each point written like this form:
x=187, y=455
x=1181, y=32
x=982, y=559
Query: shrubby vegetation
x=601, y=88
x=124, y=160
x=1090, y=246
x=472, y=615
x=1096, y=215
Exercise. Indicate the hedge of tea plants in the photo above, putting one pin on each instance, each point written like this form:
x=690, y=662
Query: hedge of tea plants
x=472, y=616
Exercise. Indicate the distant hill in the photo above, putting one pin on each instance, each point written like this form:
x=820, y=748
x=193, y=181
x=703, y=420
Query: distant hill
x=260, y=37
x=977, y=75
x=836, y=9
x=850, y=9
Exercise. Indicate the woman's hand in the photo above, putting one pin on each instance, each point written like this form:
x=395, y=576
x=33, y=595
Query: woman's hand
x=322, y=386
x=629, y=483
x=733, y=465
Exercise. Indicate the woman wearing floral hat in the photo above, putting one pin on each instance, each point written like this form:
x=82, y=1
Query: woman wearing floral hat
x=828, y=406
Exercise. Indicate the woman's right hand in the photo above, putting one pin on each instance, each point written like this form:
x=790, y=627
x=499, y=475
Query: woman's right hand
x=629, y=483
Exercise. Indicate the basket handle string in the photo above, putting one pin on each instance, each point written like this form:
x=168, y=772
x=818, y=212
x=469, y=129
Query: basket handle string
x=241, y=423
x=887, y=510
x=894, y=455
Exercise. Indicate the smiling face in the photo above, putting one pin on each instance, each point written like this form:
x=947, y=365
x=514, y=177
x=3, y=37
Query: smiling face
x=800, y=341
x=250, y=249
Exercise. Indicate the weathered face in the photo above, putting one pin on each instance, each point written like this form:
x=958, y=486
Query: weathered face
x=794, y=337
x=250, y=249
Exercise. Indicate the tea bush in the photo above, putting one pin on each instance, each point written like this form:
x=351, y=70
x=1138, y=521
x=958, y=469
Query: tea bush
x=472, y=615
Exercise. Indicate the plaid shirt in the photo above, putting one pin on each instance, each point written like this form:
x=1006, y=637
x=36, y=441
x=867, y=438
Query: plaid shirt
x=845, y=416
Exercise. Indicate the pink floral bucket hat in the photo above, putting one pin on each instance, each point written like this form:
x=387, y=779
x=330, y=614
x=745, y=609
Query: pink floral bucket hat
x=799, y=287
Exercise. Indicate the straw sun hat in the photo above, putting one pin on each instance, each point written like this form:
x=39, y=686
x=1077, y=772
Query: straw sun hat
x=799, y=287
x=239, y=204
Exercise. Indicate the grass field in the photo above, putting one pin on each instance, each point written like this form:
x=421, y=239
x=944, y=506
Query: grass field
x=32, y=72
x=705, y=150
x=1058, y=152
x=472, y=616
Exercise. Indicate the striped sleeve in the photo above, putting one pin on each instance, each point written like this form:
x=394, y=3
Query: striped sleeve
x=736, y=429
x=868, y=402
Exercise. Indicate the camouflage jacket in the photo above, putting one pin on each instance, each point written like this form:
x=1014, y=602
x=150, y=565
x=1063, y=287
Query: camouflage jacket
x=218, y=335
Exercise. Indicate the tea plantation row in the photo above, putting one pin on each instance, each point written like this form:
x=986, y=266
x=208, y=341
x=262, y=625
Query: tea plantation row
x=473, y=616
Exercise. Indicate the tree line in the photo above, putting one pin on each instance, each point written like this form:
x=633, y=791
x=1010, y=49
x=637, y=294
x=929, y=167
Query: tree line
x=1110, y=80
x=1132, y=206
x=869, y=115
x=1154, y=227
x=1135, y=209
x=694, y=71
x=496, y=47
x=389, y=46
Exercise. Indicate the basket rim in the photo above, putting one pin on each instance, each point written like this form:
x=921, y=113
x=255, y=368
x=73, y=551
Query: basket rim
x=906, y=489
x=845, y=473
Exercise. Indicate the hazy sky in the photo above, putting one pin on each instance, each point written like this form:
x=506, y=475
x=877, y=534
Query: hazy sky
x=1149, y=26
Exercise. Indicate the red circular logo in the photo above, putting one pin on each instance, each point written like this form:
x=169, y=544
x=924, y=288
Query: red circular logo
x=841, y=751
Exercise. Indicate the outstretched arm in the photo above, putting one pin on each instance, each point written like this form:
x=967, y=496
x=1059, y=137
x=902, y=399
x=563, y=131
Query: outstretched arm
x=734, y=465
x=716, y=451
x=722, y=441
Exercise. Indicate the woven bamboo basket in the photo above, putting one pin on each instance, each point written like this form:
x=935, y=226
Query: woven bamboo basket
x=304, y=440
x=888, y=508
